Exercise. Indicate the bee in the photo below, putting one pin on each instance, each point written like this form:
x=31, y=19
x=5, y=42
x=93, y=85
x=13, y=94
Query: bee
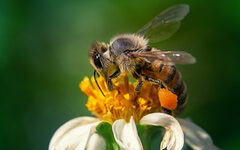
x=131, y=54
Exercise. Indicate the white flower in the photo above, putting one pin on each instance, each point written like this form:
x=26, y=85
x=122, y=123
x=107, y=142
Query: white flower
x=80, y=134
x=126, y=134
x=173, y=138
x=123, y=109
x=76, y=134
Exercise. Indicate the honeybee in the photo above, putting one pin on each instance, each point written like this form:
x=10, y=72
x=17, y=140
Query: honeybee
x=130, y=54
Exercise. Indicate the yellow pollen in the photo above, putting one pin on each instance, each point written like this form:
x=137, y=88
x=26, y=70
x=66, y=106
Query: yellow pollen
x=122, y=102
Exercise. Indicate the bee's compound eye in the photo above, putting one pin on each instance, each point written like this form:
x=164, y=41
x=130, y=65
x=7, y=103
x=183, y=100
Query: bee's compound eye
x=97, y=60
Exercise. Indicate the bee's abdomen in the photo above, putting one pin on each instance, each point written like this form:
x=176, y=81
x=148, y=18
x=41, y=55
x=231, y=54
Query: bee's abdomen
x=171, y=78
x=175, y=83
x=178, y=87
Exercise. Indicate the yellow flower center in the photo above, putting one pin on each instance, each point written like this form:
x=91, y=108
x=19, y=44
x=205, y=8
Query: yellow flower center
x=122, y=102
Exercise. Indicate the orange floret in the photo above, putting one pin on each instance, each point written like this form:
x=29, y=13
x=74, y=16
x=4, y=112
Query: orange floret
x=167, y=99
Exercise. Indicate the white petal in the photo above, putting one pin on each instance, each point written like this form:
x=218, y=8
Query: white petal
x=173, y=138
x=166, y=139
x=74, y=134
x=196, y=137
x=126, y=135
x=172, y=141
x=96, y=142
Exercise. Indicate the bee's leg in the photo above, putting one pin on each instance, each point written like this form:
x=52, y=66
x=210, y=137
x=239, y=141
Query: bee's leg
x=167, y=111
x=152, y=80
x=155, y=81
x=138, y=87
x=114, y=75
x=164, y=110
x=140, y=82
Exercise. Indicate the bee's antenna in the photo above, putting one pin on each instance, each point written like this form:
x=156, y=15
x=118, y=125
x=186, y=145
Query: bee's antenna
x=95, y=72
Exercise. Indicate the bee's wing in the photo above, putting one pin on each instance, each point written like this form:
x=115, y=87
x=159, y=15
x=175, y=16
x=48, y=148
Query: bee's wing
x=168, y=57
x=164, y=24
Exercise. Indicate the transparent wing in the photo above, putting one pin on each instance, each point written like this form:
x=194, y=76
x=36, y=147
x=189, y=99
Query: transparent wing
x=165, y=24
x=171, y=57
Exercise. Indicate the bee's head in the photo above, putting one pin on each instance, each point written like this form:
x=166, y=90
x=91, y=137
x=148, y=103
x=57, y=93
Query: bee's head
x=98, y=59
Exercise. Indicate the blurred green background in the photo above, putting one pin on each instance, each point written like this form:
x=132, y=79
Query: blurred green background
x=43, y=57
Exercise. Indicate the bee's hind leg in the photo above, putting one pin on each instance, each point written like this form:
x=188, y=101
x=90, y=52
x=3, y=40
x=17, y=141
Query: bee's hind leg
x=152, y=80
x=167, y=111
x=163, y=109
x=155, y=81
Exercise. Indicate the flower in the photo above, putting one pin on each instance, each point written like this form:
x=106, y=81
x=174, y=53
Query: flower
x=121, y=103
x=122, y=108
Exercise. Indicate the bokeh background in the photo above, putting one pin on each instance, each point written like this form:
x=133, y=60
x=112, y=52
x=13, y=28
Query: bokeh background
x=43, y=57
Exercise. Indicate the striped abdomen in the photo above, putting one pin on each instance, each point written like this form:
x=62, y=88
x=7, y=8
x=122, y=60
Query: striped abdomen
x=170, y=77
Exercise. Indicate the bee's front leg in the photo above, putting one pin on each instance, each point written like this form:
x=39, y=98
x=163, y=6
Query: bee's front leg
x=140, y=81
x=114, y=75
x=138, y=87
